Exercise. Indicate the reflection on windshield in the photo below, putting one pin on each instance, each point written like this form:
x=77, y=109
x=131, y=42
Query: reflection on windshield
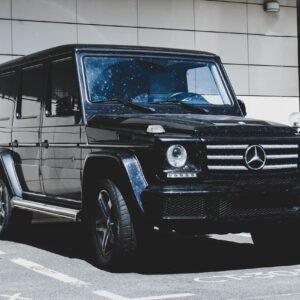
x=154, y=81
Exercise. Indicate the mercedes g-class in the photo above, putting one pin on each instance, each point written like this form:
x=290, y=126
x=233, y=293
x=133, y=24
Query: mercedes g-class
x=127, y=140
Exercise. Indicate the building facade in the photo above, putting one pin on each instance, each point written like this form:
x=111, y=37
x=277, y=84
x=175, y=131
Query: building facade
x=259, y=49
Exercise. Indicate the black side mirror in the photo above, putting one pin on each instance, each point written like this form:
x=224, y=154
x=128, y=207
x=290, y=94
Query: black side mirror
x=242, y=107
x=65, y=106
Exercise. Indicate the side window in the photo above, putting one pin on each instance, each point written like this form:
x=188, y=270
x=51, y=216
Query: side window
x=31, y=94
x=7, y=98
x=64, y=90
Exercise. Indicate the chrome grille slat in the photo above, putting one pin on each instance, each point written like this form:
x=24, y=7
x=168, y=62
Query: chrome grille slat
x=282, y=156
x=225, y=157
x=229, y=147
x=277, y=167
x=230, y=157
x=228, y=168
x=291, y=146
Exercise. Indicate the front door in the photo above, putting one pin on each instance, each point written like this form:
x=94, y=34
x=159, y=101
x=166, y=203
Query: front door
x=61, y=154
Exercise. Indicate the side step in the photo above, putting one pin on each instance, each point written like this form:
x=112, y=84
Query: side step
x=47, y=209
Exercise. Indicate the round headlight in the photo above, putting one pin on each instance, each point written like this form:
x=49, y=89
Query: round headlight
x=176, y=156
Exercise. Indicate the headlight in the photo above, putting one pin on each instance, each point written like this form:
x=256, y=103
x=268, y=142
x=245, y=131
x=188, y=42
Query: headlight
x=176, y=156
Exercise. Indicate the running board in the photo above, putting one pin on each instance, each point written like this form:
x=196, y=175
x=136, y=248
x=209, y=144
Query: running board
x=47, y=209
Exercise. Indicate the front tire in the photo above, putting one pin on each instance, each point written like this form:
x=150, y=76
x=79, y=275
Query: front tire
x=113, y=235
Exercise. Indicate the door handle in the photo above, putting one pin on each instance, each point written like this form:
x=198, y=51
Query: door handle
x=45, y=144
x=15, y=143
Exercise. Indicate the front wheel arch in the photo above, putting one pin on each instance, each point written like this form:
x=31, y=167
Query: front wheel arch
x=123, y=169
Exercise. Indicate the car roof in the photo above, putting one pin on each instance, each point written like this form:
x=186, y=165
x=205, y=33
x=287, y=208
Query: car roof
x=74, y=48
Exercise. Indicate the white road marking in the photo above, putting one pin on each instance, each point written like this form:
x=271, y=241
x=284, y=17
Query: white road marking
x=49, y=273
x=15, y=297
x=247, y=235
x=112, y=296
x=2, y=253
x=284, y=296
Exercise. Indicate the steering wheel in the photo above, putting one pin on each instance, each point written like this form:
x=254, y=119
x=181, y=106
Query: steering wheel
x=189, y=97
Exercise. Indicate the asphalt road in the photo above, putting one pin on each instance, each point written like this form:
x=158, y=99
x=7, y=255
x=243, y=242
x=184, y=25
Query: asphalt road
x=51, y=261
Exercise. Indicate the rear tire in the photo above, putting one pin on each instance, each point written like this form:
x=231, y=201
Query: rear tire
x=12, y=221
x=113, y=235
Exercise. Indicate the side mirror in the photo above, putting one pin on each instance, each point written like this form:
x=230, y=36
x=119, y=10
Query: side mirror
x=242, y=106
x=65, y=106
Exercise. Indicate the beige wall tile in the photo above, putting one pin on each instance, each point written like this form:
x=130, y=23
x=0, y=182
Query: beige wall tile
x=176, y=14
x=116, y=12
x=239, y=77
x=273, y=81
x=54, y=10
x=166, y=38
x=5, y=36
x=274, y=109
x=34, y=36
x=220, y=16
x=5, y=9
x=231, y=47
x=283, y=23
x=107, y=35
x=266, y=50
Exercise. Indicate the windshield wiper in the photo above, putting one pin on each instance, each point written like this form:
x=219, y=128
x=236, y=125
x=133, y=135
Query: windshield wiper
x=186, y=105
x=130, y=104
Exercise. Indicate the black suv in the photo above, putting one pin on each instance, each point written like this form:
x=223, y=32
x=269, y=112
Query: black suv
x=130, y=140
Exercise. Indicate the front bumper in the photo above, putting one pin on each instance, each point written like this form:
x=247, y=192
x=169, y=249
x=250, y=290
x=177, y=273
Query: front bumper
x=220, y=208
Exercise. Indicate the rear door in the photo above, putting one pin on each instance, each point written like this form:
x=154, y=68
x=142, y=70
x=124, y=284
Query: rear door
x=26, y=128
x=61, y=154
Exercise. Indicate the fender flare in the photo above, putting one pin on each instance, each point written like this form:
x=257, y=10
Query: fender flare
x=122, y=166
x=8, y=170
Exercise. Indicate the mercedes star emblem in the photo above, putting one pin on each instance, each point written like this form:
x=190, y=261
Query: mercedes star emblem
x=255, y=157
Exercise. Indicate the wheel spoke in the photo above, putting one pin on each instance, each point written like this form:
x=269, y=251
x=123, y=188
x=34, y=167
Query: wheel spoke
x=104, y=223
x=2, y=205
x=2, y=214
x=105, y=240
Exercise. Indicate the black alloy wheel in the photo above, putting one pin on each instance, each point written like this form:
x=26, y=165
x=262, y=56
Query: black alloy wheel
x=113, y=234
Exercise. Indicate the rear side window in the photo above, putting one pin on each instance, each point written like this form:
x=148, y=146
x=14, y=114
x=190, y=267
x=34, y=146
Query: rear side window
x=7, y=98
x=63, y=86
x=31, y=92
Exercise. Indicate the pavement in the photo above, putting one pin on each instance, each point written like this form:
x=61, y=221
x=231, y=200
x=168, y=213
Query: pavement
x=51, y=261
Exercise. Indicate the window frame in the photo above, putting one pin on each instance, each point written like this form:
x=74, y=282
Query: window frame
x=20, y=76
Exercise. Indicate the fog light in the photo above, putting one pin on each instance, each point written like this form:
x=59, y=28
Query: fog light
x=182, y=175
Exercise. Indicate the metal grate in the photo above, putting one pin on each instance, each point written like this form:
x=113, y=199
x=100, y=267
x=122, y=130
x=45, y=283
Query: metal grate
x=184, y=207
x=227, y=210
x=224, y=157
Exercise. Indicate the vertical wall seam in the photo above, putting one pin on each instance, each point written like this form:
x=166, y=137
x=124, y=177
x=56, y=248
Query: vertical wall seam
x=76, y=11
x=11, y=30
x=248, y=50
x=298, y=32
x=137, y=23
x=194, y=17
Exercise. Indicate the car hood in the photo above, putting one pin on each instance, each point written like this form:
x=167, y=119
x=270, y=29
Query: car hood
x=187, y=124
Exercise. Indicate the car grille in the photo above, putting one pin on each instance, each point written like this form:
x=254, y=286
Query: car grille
x=231, y=157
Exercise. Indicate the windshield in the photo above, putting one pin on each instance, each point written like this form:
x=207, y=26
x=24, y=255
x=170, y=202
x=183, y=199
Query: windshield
x=154, y=81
